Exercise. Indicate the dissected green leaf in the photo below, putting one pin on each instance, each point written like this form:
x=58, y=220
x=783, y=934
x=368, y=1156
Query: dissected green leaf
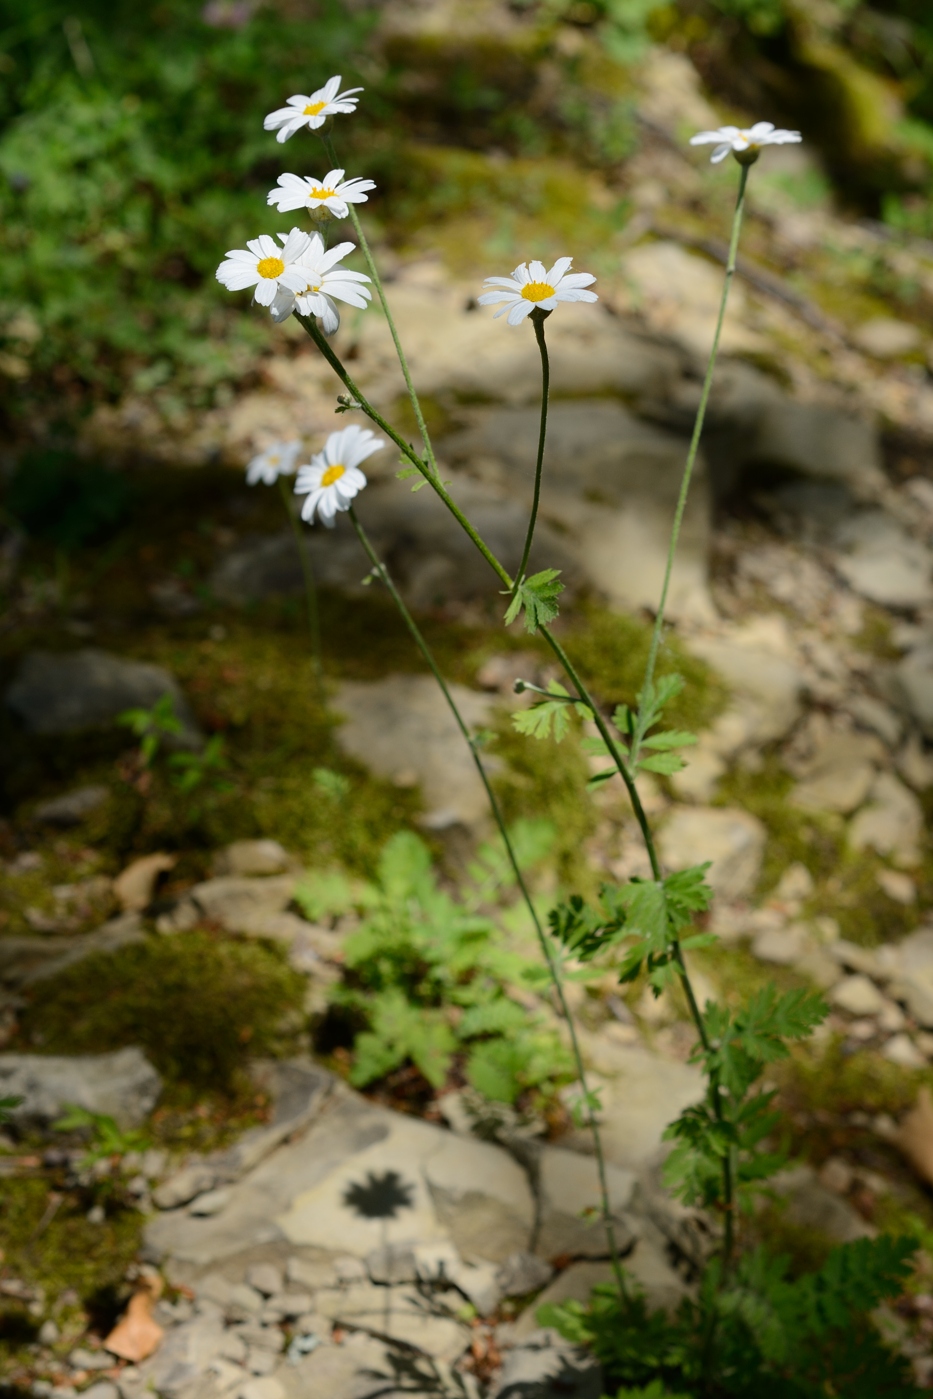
x=538, y=596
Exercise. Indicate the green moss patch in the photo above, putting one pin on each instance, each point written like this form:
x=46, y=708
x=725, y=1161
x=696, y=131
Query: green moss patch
x=611, y=651
x=200, y=1006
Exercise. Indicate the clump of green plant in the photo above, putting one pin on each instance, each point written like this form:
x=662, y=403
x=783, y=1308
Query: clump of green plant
x=199, y=1006
x=430, y=973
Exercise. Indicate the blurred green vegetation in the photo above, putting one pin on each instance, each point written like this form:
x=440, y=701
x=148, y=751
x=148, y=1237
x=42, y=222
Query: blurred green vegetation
x=132, y=153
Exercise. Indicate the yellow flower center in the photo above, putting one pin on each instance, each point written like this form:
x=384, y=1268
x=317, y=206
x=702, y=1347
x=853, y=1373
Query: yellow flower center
x=332, y=474
x=537, y=291
x=313, y=108
x=274, y=459
x=321, y=192
x=270, y=267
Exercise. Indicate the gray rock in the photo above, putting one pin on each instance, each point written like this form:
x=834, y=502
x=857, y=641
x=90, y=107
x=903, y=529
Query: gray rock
x=67, y=692
x=887, y=338
x=187, y=1183
x=392, y=1264
x=732, y=839
x=783, y=946
x=360, y=1368
x=269, y=1387
x=122, y=1085
x=401, y=728
x=883, y=563
x=570, y=1206
x=298, y=1090
x=71, y=807
x=25, y=961
x=211, y=1202
x=856, y=995
x=912, y=682
x=609, y=490
x=839, y=775
x=265, y=1277
x=545, y=1366
x=251, y=858
x=482, y=1196
x=103, y=1389
x=816, y=441
x=641, y=1094
x=900, y=1049
x=522, y=1273
x=397, y=1314
x=183, y=1357
x=242, y=905
x=810, y=1205
x=891, y=823
x=766, y=686
x=913, y=981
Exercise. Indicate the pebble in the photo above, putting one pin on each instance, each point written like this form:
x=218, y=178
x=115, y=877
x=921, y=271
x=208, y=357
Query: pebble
x=103, y=1389
x=264, y=1387
x=261, y=1362
x=265, y=1278
x=83, y=1359
x=900, y=1049
x=48, y=1333
x=857, y=995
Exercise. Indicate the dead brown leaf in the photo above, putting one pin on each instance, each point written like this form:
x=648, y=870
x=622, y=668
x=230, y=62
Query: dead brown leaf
x=136, y=1335
x=135, y=886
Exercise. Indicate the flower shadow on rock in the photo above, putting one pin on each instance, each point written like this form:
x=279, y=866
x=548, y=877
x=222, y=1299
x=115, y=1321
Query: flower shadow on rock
x=379, y=1197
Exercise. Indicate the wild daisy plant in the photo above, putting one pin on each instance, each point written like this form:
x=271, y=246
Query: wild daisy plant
x=722, y=1149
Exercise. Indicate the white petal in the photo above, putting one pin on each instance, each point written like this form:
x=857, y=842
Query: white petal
x=537, y=272
x=760, y=130
x=265, y=292
x=330, y=318
x=237, y=276
x=576, y=279
x=519, y=311
x=562, y=265
x=720, y=152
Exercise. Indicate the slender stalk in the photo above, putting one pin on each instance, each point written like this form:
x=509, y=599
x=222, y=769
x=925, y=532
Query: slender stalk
x=380, y=292
x=382, y=572
x=314, y=619
x=538, y=317
x=691, y=461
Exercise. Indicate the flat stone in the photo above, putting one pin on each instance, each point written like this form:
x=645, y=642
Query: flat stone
x=913, y=979
x=641, y=1094
x=184, y=1185
x=765, y=680
x=122, y=1085
x=662, y=1285
x=67, y=692
x=401, y=728
x=814, y=440
x=811, y=1206
x=266, y=1388
x=24, y=961
x=71, y=807
x=251, y=857
x=241, y=905
x=900, y=1049
x=609, y=490
x=882, y=562
x=102, y=1389
x=679, y=292
x=211, y=1202
x=359, y=1368
x=522, y=1273
x=570, y=1206
x=574, y=1284
x=887, y=338
x=840, y=774
x=183, y=1357
x=482, y=1196
x=372, y=1192
x=265, y=1277
x=783, y=946
x=546, y=1366
x=856, y=995
x=912, y=682
x=732, y=839
x=298, y=1090
x=892, y=822
x=396, y=1314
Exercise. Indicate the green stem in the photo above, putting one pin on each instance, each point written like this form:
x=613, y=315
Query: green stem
x=366, y=407
x=553, y=969
x=538, y=317
x=314, y=619
x=640, y=726
x=380, y=292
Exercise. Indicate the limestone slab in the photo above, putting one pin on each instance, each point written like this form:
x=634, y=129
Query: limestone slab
x=482, y=1196
x=732, y=839
x=570, y=1204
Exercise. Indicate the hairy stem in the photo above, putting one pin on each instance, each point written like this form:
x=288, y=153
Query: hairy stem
x=538, y=317
x=380, y=292
x=382, y=572
x=311, y=601
x=640, y=725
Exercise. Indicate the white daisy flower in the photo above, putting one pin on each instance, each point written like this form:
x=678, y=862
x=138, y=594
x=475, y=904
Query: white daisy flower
x=312, y=111
x=745, y=143
x=333, y=477
x=265, y=266
x=332, y=195
x=322, y=279
x=279, y=459
x=531, y=286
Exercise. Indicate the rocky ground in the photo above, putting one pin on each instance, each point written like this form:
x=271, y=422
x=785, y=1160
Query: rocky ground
x=299, y=1237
